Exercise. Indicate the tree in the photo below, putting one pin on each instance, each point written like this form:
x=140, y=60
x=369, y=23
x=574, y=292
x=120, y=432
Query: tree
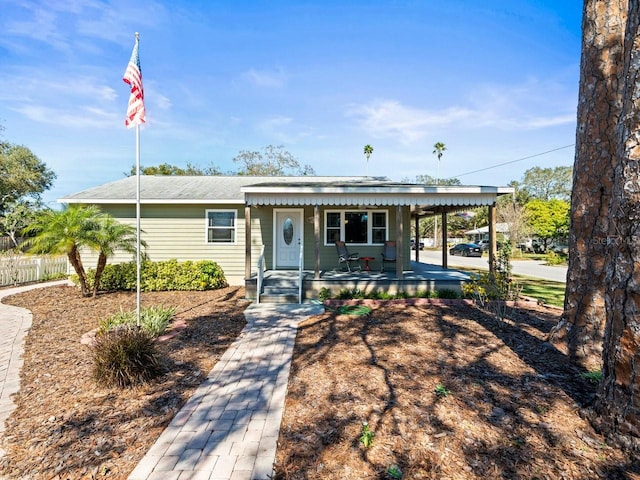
x=66, y=232
x=429, y=225
x=438, y=150
x=111, y=236
x=549, y=219
x=547, y=183
x=368, y=150
x=429, y=180
x=581, y=326
x=273, y=161
x=617, y=400
x=174, y=170
x=17, y=216
x=22, y=174
x=511, y=211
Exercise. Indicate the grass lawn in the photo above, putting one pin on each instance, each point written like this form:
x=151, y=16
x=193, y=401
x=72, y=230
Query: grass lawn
x=546, y=291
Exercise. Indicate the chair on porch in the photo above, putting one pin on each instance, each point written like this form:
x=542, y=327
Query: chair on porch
x=344, y=257
x=388, y=253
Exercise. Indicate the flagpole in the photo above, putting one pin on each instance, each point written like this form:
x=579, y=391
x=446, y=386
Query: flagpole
x=136, y=116
x=138, y=255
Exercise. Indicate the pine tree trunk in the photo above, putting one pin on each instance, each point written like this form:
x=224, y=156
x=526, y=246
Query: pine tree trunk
x=582, y=323
x=618, y=398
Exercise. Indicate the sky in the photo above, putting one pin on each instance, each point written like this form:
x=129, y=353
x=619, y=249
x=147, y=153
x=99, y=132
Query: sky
x=495, y=81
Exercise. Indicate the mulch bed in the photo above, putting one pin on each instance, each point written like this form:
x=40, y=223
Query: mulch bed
x=66, y=426
x=513, y=408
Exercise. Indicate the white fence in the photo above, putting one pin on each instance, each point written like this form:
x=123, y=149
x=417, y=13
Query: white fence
x=17, y=269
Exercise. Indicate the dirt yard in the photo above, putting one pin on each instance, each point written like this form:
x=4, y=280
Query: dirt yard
x=509, y=405
x=68, y=427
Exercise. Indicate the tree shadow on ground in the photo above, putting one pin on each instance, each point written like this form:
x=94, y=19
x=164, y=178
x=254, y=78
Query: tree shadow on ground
x=510, y=397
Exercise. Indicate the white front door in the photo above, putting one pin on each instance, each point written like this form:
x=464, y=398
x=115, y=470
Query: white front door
x=288, y=234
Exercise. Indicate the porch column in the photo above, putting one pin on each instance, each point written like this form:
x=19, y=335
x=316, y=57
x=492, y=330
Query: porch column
x=247, y=241
x=417, y=239
x=316, y=236
x=444, y=240
x=399, y=232
x=492, y=238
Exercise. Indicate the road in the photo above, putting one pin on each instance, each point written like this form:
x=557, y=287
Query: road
x=530, y=268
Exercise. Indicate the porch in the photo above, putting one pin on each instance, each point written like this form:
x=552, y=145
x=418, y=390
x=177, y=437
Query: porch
x=283, y=286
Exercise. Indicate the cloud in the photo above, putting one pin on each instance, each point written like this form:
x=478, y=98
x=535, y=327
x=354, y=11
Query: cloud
x=82, y=117
x=282, y=129
x=389, y=118
x=84, y=101
x=67, y=25
x=39, y=25
x=265, y=79
x=530, y=106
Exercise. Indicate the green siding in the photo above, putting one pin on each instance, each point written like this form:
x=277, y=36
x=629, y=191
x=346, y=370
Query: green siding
x=179, y=231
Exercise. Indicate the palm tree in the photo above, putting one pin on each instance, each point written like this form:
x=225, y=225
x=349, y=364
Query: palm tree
x=368, y=150
x=66, y=232
x=112, y=236
x=438, y=149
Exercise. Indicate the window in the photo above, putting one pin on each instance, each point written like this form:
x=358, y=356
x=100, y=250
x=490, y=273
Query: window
x=357, y=227
x=221, y=226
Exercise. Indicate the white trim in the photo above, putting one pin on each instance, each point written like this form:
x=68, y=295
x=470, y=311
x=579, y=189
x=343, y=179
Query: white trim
x=207, y=227
x=379, y=199
x=107, y=201
x=342, y=211
x=300, y=212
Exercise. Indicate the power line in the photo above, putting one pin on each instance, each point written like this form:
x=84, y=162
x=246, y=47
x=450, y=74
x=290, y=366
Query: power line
x=514, y=161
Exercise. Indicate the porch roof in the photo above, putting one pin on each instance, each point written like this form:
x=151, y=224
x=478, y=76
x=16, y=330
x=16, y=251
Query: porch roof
x=423, y=199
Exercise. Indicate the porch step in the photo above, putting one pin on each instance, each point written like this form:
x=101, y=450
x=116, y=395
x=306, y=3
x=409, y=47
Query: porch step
x=277, y=294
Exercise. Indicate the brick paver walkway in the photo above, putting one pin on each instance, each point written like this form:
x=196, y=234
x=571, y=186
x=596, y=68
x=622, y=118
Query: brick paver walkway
x=229, y=428
x=15, y=322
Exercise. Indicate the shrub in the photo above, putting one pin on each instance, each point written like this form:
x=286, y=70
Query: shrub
x=349, y=293
x=125, y=356
x=448, y=293
x=324, y=293
x=153, y=320
x=161, y=276
x=491, y=291
x=553, y=258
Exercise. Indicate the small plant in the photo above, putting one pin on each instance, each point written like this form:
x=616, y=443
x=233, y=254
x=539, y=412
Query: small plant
x=493, y=291
x=552, y=258
x=394, y=471
x=441, y=390
x=349, y=293
x=366, y=435
x=448, y=293
x=125, y=356
x=592, y=376
x=153, y=319
x=324, y=293
x=541, y=409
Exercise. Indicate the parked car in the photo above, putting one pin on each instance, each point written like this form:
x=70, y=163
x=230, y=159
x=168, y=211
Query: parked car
x=466, y=250
x=413, y=245
x=484, y=245
x=561, y=248
x=531, y=245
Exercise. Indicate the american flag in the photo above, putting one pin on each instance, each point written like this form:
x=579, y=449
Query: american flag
x=133, y=76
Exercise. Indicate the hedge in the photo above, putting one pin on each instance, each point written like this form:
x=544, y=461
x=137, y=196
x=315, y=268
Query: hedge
x=160, y=276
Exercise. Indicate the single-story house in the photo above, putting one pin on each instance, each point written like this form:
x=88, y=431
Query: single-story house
x=249, y=225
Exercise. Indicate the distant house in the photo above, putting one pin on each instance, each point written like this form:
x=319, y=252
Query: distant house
x=482, y=233
x=238, y=220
